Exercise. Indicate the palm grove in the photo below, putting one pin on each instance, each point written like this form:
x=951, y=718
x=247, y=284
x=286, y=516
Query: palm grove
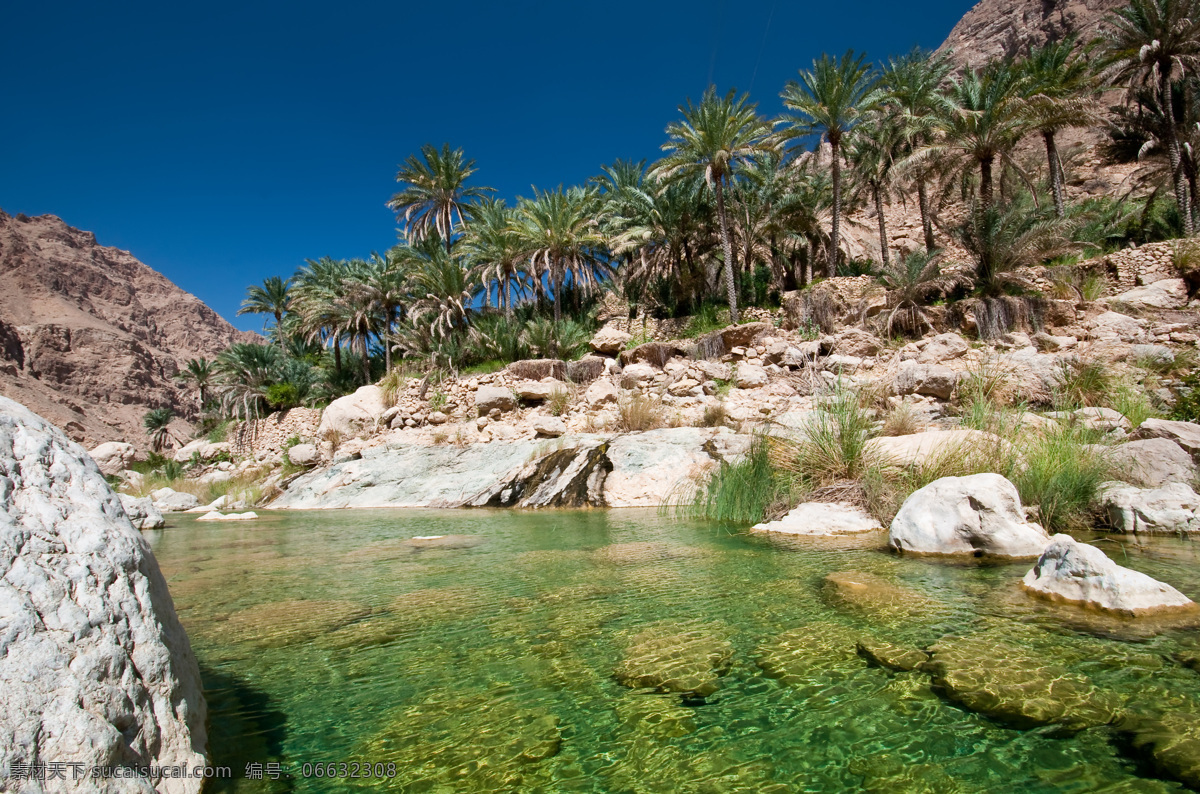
x=742, y=208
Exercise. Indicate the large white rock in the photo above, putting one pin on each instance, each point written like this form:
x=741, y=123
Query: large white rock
x=943, y=347
x=202, y=448
x=113, y=456
x=1081, y=574
x=822, y=519
x=917, y=449
x=493, y=398
x=168, y=500
x=354, y=415
x=933, y=380
x=1170, y=293
x=600, y=392
x=637, y=374
x=142, y=512
x=95, y=668
x=610, y=341
x=1185, y=434
x=1173, y=508
x=1113, y=325
x=217, y=516
x=550, y=426
x=750, y=376
x=1152, y=462
x=303, y=454
x=977, y=515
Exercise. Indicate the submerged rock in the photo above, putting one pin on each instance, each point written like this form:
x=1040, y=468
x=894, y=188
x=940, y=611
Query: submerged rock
x=280, y=623
x=645, y=552
x=878, y=597
x=95, y=667
x=822, y=519
x=688, y=658
x=1081, y=574
x=1171, y=741
x=900, y=658
x=987, y=675
x=979, y=515
x=810, y=653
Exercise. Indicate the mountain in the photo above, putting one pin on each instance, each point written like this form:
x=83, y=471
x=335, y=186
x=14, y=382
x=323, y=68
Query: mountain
x=996, y=28
x=90, y=337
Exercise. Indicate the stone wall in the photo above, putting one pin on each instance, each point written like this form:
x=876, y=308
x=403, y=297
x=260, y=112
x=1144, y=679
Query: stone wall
x=1136, y=267
x=673, y=328
x=271, y=433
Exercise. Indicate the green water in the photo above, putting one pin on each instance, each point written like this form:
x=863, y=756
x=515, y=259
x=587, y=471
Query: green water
x=322, y=637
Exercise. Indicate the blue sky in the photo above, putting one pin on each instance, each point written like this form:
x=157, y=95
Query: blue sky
x=225, y=142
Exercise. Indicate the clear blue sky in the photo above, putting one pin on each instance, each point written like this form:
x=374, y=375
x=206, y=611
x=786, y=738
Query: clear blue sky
x=225, y=142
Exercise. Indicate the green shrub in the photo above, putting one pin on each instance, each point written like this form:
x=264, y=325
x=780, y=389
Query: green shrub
x=1082, y=382
x=1187, y=404
x=704, y=321
x=746, y=492
x=1061, y=473
x=438, y=400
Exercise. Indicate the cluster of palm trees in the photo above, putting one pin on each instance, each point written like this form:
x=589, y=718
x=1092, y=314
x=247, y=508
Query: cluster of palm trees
x=740, y=198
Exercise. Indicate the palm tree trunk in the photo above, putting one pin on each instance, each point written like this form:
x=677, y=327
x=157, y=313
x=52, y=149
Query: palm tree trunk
x=883, y=241
x=1181, y=194
x=985, y=181
x=337, y=355
x=1056, y=182
x=834, y=233
x=279, y=329
x=926, y=219
x=366, y=366
x=730, y=288
x=557, y=292
x=387, y=344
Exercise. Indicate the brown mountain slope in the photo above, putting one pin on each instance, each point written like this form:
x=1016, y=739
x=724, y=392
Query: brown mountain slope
x=996, y=28
x=89, y=336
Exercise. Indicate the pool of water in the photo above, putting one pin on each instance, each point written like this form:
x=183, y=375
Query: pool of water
x=490, y=662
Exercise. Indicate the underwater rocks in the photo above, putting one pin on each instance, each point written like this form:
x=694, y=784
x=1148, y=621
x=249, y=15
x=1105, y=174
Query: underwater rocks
x=95, y=668
x=979, y=515
x=687, y=658
x=1081, y=574
x=290, y=622
x=809, y=653
x=900, y=658
x=1171, y=741
x=985, y=674
x=822, y=519
x=877, y=597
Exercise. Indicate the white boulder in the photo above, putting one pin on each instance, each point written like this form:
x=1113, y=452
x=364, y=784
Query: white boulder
x=600, y=392
x=1170, y=293
x=96, y=669
x=493, y=398
x=354, y=415
x=750, y=376
x=113, y=456
x=142, y=512
x=303, y=454
x=215, y=516
x=549, y=426
x=819, y=519
x=169, y=500
x=976, y=515
x=1173, y=508
x=610, y=341
x=1153, y=462
x=1185, y=434
x=918, y=449
x=1081, y=574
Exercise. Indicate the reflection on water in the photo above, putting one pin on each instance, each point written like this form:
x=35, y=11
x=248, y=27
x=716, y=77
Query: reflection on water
x=624, y=651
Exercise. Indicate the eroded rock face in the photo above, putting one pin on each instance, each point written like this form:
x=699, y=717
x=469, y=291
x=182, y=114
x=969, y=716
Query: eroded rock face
x=94, y=665
x=1081, y=574
x=979, y=515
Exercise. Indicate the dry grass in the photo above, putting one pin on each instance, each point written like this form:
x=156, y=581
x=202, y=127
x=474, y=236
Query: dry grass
x=639, y=413
x=715, y=415
x=901, y=421
x=559, y=400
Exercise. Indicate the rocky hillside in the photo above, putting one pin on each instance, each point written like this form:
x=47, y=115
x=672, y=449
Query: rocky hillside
x=998, y=28
x=89, y=336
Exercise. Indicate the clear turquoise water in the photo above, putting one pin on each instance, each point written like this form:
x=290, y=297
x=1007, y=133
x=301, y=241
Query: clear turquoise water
x=322, y=637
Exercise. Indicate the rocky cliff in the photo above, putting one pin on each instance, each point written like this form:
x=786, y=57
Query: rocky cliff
x=998, y=28
x=89, y=336
x=95, y=668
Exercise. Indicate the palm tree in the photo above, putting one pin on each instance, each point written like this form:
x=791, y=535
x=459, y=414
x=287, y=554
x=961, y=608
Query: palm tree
x=1059, y=89
x=198, y=371
x=561, y=237
x=274, y=297
x=435, y=194
x=911, y=280
x=714, y=138
x=872, y=152
x=1002, y=238
x=441, y=288
x=492, y=246
x=158, y=426
x=913, y=94
x=246, y=371
x=828, y=100
x=361, y=315
x=319, y=286
x=383, y=282
x=1154, y=43
x=981, y=121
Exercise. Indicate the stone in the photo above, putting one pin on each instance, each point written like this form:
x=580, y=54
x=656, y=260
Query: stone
x=142, y=513
x=202, y=449
x=215, y=516
x=353, y=416
x=1185, y=434
x=637, y=374
x=1152, y=354
x=943, y=347
x=96, y=668
x=1112, y=325
x=900, y=658
x=610, y=341
x=997, y=678
x=655, y=354
x=1081, y=574
x=1172, y=741
x=436, y=418
x=1152, y=462
x=750, y=376
x=657, y=467
x=134, y=480
x=600, y=392
x=840, y=363
x=977, y=515
x=822, y=519
x=168, y=500
x=113, y=456
x=303, y=455
x=538, y=368
x=857, y=343
x=919, y=449
x=1172, y=508
x=493, y=398
x=879, y=598
x=586, y=369
x=742, y=335
x=714, y=370
x=1168, y=293
x=1053, y=344
x=687, y=658
x=1103, y=419
x=549, y=426
x=538, y=391
x=933, y=380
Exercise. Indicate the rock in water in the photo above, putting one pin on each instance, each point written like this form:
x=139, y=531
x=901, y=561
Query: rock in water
x=142, y=512
x=1082, y=574
x=977, y=515
x=94, y=666
x=821, y=518
x=688, y=658
x=1173, y=508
